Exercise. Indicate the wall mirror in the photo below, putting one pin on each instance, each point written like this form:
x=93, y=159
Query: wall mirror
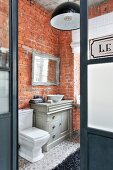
x=45, y=69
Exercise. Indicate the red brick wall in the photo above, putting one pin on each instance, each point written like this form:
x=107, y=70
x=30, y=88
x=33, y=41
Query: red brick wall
x=76, y=112
x=68, y=81
x=104, y=8
x=76, y=119
x=4, y=23
x=36, y=33
x=66, y=65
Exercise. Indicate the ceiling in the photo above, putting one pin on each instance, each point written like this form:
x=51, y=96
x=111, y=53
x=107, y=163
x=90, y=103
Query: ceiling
x=52, y=4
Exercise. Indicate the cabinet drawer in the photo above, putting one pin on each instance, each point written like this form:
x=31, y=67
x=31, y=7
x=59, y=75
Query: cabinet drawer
x=53, y=136
x=53, y=117
x=55, y=126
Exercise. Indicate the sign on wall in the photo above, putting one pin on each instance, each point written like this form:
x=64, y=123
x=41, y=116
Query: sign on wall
x=101, y=47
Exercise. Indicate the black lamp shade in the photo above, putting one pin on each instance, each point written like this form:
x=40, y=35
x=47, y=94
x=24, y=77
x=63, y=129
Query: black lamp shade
x=66, y=16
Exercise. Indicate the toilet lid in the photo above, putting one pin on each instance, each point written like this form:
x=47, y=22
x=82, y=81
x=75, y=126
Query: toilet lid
x=33, y=133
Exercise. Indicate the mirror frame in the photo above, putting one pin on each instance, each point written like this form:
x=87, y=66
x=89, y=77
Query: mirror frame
x=49, y=57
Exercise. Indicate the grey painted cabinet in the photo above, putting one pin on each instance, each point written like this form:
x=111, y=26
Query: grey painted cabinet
x=56, y=118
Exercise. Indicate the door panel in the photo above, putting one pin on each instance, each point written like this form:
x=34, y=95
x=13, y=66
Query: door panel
x=101, y=156
x=64, y=121
x=5, y=115
x=5, y=143
x=100, y=96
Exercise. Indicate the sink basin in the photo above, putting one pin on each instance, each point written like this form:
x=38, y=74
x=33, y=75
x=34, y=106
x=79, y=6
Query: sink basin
x=55, y=98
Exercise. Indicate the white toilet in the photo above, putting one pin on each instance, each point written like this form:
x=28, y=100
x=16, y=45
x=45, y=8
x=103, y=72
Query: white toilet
x=31, y=139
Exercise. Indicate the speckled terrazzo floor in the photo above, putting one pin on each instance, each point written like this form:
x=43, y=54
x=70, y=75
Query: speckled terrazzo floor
x=54, y=157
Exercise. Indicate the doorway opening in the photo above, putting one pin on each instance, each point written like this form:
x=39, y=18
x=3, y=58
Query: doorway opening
x=39, y=42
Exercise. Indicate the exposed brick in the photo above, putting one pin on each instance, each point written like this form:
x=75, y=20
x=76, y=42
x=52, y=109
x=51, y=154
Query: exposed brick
x=36, y=33
x=4, y=24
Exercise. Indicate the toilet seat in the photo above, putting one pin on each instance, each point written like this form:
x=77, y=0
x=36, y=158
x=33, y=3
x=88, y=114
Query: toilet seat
x=33, y=134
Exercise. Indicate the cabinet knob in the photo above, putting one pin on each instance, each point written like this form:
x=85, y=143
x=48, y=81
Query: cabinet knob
x=60, y=124
x=53, y=117
x=53, y=127
x=54, y=136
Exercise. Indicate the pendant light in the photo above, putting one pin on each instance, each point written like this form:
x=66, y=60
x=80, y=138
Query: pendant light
x=66, y=16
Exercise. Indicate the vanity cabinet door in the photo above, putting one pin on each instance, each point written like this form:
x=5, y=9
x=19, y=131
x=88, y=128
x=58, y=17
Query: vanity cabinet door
x=64, y=125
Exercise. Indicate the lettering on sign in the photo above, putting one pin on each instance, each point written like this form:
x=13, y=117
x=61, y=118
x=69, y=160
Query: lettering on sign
x=101, y=47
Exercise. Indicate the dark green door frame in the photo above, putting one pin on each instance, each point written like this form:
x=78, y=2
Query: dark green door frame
x=9, y=121
x=96, y=145
x=83, y=84
x=14, y=80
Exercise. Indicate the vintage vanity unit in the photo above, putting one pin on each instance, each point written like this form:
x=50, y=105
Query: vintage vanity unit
x=56, y=118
